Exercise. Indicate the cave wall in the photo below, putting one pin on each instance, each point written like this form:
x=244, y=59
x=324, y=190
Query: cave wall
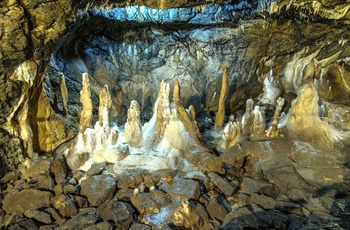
x=32, y=30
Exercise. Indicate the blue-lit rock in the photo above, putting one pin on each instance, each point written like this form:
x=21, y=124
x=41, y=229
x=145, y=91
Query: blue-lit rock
x=203, y=15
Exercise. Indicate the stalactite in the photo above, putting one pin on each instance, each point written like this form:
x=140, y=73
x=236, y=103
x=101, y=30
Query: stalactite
x=220, y=115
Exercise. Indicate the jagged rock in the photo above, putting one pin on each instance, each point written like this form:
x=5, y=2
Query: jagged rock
x=216, y=210
x=263, y=201
x=45, y=182
x=81, y=202
x=54, y=214
x=289, y=207
x=35, y=167
x=42, y=217
x=296, y=221
x=100, y=226
x=240, y=219
x=96, y=169
x=191, y=215
x=222, y=184
x=65, y=205
x=150, y=202
x=138, y=226
x=71, y=189
x=129, y=180
x=85, y=218
x=18, y=222
x=122, y=214
x=59, y=169
x=182, y=188
x=24, y=200
x=98, y=188
x=251, y=185
x=279, y=220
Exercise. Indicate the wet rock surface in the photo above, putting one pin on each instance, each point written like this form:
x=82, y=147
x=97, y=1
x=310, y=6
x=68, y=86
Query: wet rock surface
x=279, y=198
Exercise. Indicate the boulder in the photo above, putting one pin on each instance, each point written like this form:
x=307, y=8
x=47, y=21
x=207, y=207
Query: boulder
x=100, y=226
x=35, y=167
x=98, y=188
x=216, y=210
x=131, y=180
x=119, y=212
x=65, y=205
x=59, y=169
x=45, y=182
x=150, y=202
x=263, y=201
x=251, y=185
x=27, y=199
x=96, y=169
x=42, y=217
x=81, y=201
x=222, y=184
x=85, y=218
x=182, y=188
x=240, y=219
x=139, y=226
x=54, y=214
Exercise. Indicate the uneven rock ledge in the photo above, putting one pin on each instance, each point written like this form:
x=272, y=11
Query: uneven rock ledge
x=257, y=191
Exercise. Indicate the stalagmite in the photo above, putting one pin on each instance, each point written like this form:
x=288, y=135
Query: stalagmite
x=271, y=91
x=220, y=115
x=247, y=119
x=105, y=102
x=133, y=130
x=303, y=122
x=85, y=99
x=64, y=93
x=26, y=133
x=232, y=135
x=273, y=131
x=259, y=123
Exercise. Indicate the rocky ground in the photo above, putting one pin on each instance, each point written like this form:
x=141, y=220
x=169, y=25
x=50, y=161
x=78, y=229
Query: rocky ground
x=279, y=184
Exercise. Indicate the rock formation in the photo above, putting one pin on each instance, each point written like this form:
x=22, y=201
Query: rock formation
x=106, y=151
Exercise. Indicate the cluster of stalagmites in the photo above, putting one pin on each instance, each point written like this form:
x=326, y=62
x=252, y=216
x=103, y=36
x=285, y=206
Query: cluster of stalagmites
x=301, y=122
x=171, y=139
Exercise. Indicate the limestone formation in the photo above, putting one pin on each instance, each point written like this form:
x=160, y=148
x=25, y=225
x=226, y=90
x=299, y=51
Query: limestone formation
x=64, y=93
x=259, y=123
x=232, y=135
x=105, y=102
x=219, y=120
x=248, y=117
x=133, y=129
x=85, y=99
x=303, y=121
x=272, y=130
x=271, y=91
